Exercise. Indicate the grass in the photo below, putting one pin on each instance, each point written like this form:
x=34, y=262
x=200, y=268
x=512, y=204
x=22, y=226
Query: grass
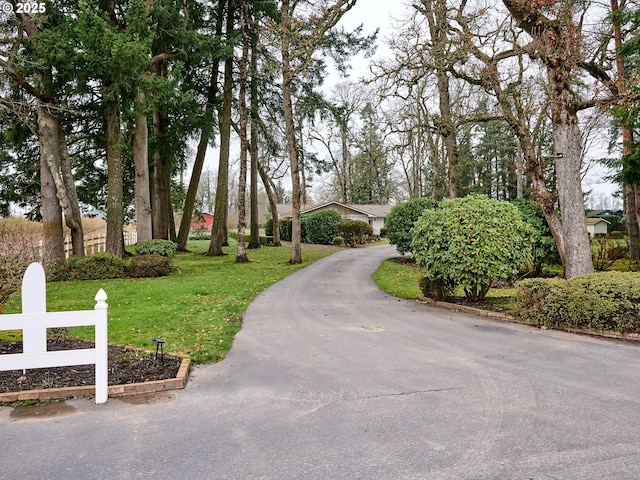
x=399, y=277
x=197, y=312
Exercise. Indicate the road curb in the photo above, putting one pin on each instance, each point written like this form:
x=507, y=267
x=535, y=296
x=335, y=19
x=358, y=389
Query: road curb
x=632, y=337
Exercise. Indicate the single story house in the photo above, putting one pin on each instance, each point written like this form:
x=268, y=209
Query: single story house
x=374, y=215
x=597, y=226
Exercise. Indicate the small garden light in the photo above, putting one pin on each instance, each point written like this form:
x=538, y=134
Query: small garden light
x=159, y=345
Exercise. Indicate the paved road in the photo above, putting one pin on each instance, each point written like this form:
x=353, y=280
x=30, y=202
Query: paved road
x=331, y=379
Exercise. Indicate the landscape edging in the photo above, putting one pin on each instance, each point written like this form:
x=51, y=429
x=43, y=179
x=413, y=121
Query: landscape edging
x=178, y=382
x=634, y=337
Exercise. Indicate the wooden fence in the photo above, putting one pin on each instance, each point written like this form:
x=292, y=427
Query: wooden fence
x=98, y=243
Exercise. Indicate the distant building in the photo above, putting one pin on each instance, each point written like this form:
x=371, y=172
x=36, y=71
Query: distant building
x=373, y=214
x=597, y=226
x=205, y=224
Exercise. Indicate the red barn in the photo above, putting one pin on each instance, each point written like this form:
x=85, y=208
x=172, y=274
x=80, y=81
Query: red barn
x=204, y=224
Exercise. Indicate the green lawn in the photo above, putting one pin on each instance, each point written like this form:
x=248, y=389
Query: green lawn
x=197, y=311
x=399, y=277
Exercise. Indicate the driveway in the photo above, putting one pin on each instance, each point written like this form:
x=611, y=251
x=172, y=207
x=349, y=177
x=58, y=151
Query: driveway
x=330, y=378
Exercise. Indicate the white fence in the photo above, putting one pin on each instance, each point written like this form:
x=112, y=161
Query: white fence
x=98, y=243
x=34, y=321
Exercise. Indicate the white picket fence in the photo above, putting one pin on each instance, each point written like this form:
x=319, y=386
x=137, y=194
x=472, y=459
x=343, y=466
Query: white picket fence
x=98, y=243
x=34, y=321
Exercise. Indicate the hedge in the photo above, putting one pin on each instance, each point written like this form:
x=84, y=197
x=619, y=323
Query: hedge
x=600, y=301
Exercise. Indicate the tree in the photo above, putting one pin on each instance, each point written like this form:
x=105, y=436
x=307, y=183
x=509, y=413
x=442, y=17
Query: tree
x=435, y=11
x=33, y=68
x=371, y=170
x=300, y=38
x=219, y=228
x=241, y=256
x=471, y=242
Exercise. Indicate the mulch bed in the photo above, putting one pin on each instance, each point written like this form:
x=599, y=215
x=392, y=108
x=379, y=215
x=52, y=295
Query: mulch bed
x=126, y=366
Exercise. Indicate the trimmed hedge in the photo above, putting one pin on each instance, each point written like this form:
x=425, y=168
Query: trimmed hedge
x=166, y=248
x=355, y=232
x=98, y=266
x=322, y=227
x=600, y=301
x=150, y=265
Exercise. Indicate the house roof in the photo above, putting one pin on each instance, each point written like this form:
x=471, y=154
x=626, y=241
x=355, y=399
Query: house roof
x=596, y=220
x=370, y=210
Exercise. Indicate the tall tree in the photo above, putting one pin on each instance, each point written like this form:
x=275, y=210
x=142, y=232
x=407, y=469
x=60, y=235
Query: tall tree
x=241, y=256
x=31, y=41
x=300, y=37
x=557, y=42
x=435, y=11
x=206, y=133
x=219, y=229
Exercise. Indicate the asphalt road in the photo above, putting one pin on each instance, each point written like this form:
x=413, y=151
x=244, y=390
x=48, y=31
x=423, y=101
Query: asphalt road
x=330, y=378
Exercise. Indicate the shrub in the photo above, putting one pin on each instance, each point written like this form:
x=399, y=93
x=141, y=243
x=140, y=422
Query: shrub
x=19, y=247
x=605, y=251
x=355, y=232
x=471, y=242
x=149, y=265
x=544, y=248
x=98, y=266
x=338, y=241
x=285, y=229
x=401, y=220
x=602, y=301
x=166, y=248
x=322, y=227
x=268, y=228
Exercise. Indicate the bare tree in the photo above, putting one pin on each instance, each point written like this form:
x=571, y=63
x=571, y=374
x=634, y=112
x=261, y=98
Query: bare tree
x=300, y=37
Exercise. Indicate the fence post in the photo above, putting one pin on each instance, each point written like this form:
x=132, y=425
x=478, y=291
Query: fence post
x=102, y=349
x=34, y=300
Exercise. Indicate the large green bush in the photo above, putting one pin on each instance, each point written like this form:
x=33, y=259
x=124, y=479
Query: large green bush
x=602, y=301
x=322, y=227
x=355, y=232
x=471, y=242
x=166, y=248
x=98, y=266
x=401, y=220
x=151, y=265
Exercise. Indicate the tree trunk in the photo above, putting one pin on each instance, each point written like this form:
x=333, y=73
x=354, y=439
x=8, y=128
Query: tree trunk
x=567, y=144
x=632, y=222
x=631, y=190
x=161, y=175
x=436, y=13
x=144, y=221
x=54, y=153
x=254, y=241
x=241, y=256
x=273, y=204
x=292, y=146
x=219, y=229
x=52, y=231
x=115, y=216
